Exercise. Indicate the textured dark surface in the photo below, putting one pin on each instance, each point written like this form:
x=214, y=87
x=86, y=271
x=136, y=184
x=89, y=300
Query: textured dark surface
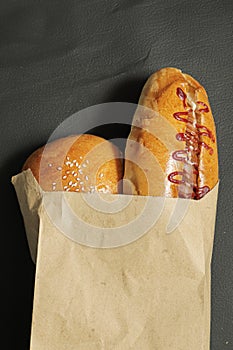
x=57, y=57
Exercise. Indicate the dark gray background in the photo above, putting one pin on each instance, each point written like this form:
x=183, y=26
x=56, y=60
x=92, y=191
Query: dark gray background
x=57, y=57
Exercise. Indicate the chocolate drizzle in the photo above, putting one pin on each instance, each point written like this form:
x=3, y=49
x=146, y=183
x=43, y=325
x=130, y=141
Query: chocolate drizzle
x=188, y=179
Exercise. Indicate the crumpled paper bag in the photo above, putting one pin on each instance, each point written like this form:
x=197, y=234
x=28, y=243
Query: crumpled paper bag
x=148, y=291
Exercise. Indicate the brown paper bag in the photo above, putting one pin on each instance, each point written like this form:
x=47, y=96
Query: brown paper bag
x=150, y=290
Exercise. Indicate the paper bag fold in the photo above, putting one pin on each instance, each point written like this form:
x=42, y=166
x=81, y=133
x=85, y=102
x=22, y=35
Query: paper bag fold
x=30, y=197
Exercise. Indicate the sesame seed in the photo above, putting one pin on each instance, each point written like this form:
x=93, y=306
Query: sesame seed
x=64, y=177
x=75, y=184
x=71, y=165
x=54, y=188
x=83, y=189
x=86, y=177
x=80, y=171
x=65, y=187
x=70, y=183
x=59, y=168
x=77, y=190
x=67, y=163
x=50, y=165
x=101, y=175
x=54, y=183
x=67, y=171
x=87, y=161
x=73, y=172
x=68, y=158
x=74, y=161
x=81, y=182
x=84, y=165
x=77, y=178
x=81, y=157
x=77, y=164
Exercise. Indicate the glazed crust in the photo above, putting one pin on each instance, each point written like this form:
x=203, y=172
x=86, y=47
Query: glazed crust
x=175, y=127
x=80, y=163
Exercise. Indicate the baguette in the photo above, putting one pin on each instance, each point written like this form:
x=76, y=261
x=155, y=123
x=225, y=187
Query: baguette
x=172, y=150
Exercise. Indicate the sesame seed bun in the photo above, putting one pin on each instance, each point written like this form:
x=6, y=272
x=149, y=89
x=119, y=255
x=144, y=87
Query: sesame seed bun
x=77, y=163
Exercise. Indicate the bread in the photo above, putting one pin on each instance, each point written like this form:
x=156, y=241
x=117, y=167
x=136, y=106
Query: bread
x=171, y=150
x=80, y=163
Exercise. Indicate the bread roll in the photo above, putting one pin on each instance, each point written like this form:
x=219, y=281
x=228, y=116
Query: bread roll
x=80, y=163
x=171, y=150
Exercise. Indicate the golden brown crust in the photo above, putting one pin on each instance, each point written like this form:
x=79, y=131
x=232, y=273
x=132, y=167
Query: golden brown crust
x=80, y=163
x=180, y=138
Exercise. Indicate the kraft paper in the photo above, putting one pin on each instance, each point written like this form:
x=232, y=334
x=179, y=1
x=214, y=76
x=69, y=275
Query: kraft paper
x=136, y=285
